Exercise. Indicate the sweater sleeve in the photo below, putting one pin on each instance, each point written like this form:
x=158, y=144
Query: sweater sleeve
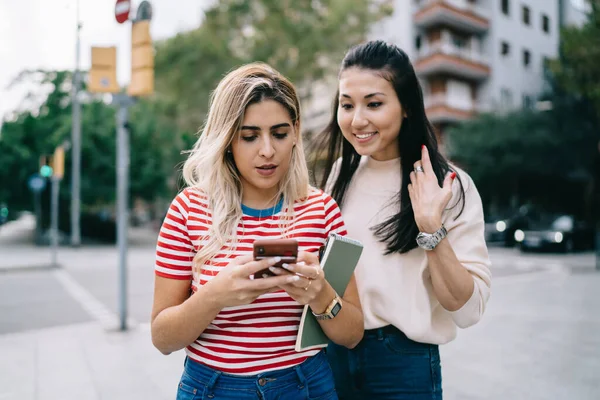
x=466, y=235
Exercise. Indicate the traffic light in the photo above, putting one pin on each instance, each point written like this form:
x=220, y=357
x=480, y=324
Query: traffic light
x=142, y=60
x=45, y=169
x=103, y=74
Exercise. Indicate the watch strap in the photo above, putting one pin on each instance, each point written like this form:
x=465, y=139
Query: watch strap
x=330, y=311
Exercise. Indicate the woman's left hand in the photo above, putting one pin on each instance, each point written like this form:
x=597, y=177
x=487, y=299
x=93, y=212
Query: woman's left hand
x=427, y=197
x=310, y=278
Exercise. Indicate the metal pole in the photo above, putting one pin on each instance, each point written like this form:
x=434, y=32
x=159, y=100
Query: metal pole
x=54, y=220
x=37, y=196
x=76, y=149
x=122, y=203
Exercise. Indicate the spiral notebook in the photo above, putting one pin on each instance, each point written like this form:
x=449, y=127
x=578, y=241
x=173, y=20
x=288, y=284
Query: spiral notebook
x=339, y=258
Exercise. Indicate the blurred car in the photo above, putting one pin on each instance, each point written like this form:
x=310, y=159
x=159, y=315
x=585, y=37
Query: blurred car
x=501, y=229
x=559, y=233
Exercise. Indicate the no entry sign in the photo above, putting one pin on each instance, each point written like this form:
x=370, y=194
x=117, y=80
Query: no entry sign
x=122, y=8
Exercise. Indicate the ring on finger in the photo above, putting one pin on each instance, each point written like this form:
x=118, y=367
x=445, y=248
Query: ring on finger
x=307, y=286
x=419, y=168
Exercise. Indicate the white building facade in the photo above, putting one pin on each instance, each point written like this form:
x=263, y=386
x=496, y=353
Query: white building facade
x=475, y=56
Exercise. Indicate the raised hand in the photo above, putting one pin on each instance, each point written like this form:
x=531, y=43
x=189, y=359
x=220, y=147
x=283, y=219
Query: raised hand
x=427, y=197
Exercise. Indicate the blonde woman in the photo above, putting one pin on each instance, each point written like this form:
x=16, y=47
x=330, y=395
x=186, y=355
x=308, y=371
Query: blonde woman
x=247, y=180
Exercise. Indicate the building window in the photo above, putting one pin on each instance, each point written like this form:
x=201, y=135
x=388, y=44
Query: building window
x=505, y=7
x=527, y=101
x=418, y=42
x=545, y=23
x=526, y=58
x=505, y=48
x=526, y=16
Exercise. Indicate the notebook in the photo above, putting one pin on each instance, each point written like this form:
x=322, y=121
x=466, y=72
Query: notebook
x=339, y=259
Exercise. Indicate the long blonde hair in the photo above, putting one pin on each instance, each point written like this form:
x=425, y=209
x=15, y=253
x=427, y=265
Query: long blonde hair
x=209, y=168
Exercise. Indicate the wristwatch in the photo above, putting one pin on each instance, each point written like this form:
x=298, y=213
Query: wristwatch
x=332, y=309
x=428, y=241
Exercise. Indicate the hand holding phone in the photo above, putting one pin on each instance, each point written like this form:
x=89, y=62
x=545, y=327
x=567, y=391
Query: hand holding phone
x=287, y=249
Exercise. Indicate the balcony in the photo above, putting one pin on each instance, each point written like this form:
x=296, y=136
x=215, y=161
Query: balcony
x=459, y=14
x=443, y=57
x=441, y=108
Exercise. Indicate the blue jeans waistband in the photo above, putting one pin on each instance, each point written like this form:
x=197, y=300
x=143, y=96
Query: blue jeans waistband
x=209, y=377
x=391, y=330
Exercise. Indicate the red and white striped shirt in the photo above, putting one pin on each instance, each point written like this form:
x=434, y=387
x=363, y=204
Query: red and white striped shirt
x=257, y=337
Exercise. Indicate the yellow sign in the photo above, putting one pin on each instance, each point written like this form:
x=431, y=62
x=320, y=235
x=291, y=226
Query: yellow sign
x=102, y=77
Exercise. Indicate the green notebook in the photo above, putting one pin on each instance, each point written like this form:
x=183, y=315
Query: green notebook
x=340, y=256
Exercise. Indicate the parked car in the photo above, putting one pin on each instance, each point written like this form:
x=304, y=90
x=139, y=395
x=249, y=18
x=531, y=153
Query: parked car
x=559, y=233
x=501, y=229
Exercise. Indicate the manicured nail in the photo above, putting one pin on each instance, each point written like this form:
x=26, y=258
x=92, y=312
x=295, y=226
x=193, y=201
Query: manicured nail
x=423, y=147
x=453, y=175
x=293, y=278
x=265, y=276
x=273, y=270
x=287, y=266
x=274, y=260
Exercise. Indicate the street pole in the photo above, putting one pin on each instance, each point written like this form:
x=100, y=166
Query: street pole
x=76, y=149
x=123, y=102
x=37, y=197
x=54, y=219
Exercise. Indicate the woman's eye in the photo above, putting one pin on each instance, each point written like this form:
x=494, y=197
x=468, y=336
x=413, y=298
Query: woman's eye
x=346, y=106
x=280, y=135
x=375, y=104
x=248, y=138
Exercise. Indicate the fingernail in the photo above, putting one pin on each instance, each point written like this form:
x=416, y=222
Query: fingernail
x=293, y=278
x=301, y=263
x=274, y=260
x=422, y=147
x=265, y=276
x=287, y=266
x=453, y=175
x=273, y=269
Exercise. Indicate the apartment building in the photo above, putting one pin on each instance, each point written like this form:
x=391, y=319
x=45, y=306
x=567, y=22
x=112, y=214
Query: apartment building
x=475, y=56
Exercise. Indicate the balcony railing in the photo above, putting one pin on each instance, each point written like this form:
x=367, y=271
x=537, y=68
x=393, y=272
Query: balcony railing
x=445, y=57
x=441, y=108
x=460, y=14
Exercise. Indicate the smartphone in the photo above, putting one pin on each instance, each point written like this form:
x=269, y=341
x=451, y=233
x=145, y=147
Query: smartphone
x=287, y=249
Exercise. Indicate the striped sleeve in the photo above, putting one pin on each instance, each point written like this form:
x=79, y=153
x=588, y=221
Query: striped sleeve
x=174, y=250
x=333, y=217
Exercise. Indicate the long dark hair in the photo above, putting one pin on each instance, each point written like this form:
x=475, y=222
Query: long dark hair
x=400, y=230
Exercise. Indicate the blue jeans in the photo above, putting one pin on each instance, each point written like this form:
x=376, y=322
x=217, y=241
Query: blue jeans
x=387, y=365
x=310, y=380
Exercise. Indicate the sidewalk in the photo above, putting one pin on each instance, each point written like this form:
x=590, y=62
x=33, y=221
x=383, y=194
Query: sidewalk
x=539, y=339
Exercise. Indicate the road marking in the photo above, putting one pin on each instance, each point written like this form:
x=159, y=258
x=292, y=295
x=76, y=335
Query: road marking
x=88, y=302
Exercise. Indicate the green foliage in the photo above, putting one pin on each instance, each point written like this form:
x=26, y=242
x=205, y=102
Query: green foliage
x=577, y=67
x=525, y=152
x=35, y=133
x=303, y=39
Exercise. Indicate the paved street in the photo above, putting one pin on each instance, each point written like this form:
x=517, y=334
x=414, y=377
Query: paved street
x=539, y=338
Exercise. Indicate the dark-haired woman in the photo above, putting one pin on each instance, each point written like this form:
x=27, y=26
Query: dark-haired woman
x=425, y=268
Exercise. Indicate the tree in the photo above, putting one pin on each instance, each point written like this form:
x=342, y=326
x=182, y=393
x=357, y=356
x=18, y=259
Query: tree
x=576, y=70
x=32, y=133
x=303, y=39
x=528, y=155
